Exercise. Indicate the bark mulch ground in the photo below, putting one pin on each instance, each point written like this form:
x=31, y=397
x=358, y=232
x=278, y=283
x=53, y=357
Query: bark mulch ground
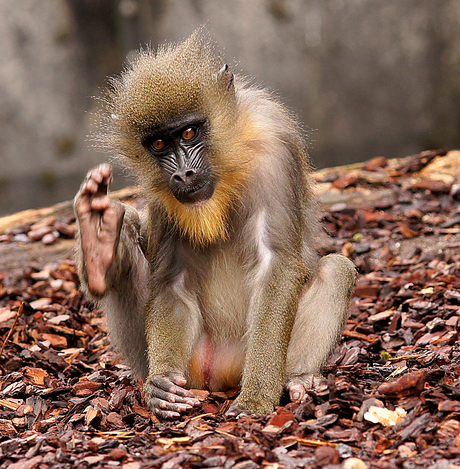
x=390, y=395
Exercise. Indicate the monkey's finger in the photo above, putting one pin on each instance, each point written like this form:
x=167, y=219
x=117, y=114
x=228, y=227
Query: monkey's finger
x=166, y=415
x=166, y=383
x=96, y=182
x=174, y=393
x=89, y=187
x=236, y=411
x=167, y=409
x=167, y=396
x=113, y=215
x=82, y=205
x=181, y=391
x=298, y=386
x=179, y=380
x=103, y=187
x=174, y=406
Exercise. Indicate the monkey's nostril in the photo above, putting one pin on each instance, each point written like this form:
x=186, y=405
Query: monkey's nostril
x=180, y=178
x=184, y=177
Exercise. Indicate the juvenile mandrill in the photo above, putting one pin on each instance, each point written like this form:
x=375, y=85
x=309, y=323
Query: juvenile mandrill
x=218, y=282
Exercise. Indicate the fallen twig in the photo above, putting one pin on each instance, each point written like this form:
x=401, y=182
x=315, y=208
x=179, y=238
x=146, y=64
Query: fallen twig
x=12, y=327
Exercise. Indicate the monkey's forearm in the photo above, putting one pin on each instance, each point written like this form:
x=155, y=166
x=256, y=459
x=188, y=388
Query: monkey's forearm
x=172, y=330
x=269, y=334
x=128, y=251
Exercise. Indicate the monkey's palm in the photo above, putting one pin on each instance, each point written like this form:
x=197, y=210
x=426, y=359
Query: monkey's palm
x=100, y=221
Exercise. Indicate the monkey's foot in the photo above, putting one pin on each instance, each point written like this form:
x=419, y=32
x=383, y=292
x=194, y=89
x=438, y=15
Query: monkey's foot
x=299, y=385
x=100, y=222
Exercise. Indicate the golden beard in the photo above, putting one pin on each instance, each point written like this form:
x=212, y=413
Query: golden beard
x=206, y=222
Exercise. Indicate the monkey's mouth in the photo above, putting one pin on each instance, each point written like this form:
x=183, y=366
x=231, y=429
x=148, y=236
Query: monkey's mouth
x=195, y=195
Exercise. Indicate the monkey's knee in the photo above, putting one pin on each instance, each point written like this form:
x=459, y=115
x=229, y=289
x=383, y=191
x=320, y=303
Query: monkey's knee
x=339, y=271
x=322, y=313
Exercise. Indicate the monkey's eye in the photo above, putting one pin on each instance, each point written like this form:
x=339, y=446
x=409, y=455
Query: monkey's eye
x=158, y=144
x=188, y=133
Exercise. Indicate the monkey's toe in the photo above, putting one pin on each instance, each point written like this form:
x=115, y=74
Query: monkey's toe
x=297, y=393
x=298, y=386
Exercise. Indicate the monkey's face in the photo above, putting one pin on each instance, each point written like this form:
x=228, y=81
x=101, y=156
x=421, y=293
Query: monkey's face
x=179, y=148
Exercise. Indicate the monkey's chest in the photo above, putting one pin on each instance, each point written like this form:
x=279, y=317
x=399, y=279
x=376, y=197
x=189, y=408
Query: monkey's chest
x=223, y=299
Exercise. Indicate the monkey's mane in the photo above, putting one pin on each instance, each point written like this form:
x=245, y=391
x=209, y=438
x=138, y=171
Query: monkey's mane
x=175, y=81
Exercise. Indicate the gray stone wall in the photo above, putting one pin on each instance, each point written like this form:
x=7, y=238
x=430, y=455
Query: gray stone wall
x=366, y=77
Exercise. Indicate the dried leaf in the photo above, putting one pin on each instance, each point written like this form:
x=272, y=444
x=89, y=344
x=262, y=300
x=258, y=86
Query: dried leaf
x=385, y=417
x=281, y=417
x=345, y=181
x=92, y=415
x=7, y=428
x=448, y=430
x=406, y=231
x=367, y=291
x=375, y=164
x=31, y=463
x=6, y=315
x=141, y=411
x=8, y=404
x=326, y=455
x=449, y=406
x=115, y=420
x=354, y=463
x=200, y=394
x=117, y=454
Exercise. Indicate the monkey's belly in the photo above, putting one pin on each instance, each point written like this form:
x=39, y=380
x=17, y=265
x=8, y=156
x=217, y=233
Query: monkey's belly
x=215, y=367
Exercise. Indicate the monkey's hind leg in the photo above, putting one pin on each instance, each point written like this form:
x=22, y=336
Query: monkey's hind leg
x=321, y=317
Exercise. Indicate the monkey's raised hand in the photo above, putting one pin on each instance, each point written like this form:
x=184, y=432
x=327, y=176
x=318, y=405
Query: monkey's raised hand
x=100, y=221
x=166, y=397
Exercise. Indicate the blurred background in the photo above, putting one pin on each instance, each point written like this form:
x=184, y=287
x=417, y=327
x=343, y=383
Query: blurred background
x=366, y=77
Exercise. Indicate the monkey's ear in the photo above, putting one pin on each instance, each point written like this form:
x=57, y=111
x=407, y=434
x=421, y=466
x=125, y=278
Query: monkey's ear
x=225, y=78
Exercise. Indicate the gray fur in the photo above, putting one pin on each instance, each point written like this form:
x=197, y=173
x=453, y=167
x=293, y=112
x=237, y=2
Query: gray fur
x=260, y=293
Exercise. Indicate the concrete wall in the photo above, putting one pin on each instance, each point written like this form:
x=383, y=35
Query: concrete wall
x=367, y=77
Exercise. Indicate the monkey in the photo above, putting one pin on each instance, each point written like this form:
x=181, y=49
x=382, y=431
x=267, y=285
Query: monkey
x=218, y=281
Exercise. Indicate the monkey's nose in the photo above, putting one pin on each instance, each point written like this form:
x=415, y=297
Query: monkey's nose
x=184, y=176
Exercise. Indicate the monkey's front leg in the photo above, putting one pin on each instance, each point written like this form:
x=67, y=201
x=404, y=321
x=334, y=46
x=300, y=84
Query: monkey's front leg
x=269, y=333
x=172, y=330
